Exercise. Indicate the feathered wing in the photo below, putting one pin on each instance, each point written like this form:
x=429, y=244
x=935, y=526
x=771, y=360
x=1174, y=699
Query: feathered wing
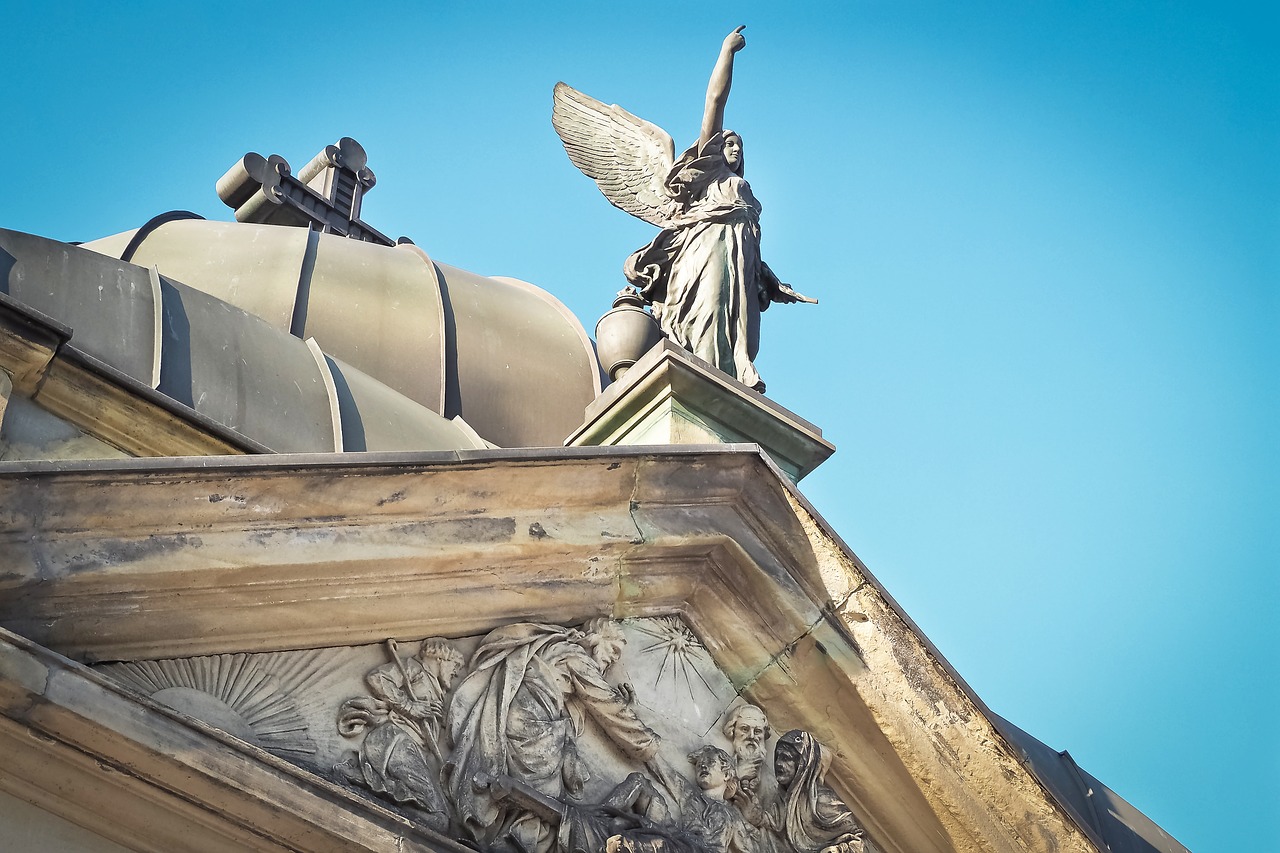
x=626, y=156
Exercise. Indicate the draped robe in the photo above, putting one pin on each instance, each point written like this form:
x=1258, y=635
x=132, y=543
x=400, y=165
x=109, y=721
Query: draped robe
x=703, y=273
x=519, y=713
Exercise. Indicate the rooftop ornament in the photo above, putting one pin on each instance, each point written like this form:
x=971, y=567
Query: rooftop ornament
x=324, y=196
x=702, y=275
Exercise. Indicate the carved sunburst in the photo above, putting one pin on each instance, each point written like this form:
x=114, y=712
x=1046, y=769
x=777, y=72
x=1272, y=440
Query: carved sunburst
x=234, y=693
x=683, y=655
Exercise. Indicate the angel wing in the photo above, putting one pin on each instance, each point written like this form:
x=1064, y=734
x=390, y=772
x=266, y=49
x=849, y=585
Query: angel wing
x=626, y=156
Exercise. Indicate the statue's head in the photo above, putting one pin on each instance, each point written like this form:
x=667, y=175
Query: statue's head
x=798, y=754
x=714, y=770
x=439, y=656
x=731, y=150
x=786, y=757
x=747, y=728
x=605, y=640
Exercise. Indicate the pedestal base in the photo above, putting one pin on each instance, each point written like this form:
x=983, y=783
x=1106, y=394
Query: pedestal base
x=672, y=397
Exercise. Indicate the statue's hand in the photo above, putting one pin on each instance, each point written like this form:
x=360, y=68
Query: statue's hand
x=735, y=41
x=786, y=294
x=850, y=842
x=423, y=709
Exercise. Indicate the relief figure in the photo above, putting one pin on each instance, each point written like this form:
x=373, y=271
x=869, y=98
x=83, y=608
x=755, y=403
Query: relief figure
x=709, y=822
x=747, y=728
x=400, y=757
x=518, y=714
x=809, y=817
x=633, y=818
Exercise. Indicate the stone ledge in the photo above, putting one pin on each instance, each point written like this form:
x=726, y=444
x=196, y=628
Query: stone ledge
x=672, y=397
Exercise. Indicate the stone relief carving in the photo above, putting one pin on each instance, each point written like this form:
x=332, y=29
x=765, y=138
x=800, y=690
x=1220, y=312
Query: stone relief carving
x=238, y=694
x=708, y=818
x=808, y=816
x=747, y=728
x=607, y=737
x=703, y=274
x=519, y=714
x=401, y=755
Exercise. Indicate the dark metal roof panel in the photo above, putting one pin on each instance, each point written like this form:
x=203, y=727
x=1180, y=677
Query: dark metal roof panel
x=525, y=371
x=376, y=417
x=109, y=306
x=254, y=267
x=235, y=368
x=1111, y=822
x=379, y=309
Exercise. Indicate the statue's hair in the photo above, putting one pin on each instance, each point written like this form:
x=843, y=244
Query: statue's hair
x=601, y=626
x=730, y=771
x=440, y=649
x=731, y=721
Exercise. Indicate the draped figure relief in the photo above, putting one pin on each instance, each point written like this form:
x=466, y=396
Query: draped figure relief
x=518, y=716
x=606, y=737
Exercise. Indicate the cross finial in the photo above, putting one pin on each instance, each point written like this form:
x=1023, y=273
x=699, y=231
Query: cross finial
x=325, y=195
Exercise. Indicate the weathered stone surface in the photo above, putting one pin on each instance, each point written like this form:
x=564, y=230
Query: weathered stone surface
x=672, y=397
x=251, y=555
x=415, y=725
x=30, y=432
x=151, y=780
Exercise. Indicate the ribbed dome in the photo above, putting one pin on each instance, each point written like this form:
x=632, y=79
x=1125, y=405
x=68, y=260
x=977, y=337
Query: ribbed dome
x=504, y=355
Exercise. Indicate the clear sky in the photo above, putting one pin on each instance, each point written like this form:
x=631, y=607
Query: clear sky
x=1046, y=240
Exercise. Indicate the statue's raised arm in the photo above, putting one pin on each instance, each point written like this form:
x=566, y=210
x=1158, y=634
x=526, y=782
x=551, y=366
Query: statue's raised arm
x=702, y=274
x=718, y=88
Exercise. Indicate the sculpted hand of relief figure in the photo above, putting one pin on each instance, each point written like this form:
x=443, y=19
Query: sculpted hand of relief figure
x=702, y=274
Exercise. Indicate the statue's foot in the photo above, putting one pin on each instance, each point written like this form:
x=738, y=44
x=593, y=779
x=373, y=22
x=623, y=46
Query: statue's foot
x=758, y=387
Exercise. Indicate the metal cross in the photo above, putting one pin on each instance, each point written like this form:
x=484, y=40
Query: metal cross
x=325, y=195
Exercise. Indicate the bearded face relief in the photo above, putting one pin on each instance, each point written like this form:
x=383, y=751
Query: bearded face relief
x=747, y=729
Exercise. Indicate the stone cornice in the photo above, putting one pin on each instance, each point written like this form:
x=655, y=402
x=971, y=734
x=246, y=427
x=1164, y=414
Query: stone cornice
x=147, y=558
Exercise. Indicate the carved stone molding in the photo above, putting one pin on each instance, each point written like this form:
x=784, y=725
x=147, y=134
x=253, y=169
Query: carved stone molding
x=530, y=738
x=257, y=555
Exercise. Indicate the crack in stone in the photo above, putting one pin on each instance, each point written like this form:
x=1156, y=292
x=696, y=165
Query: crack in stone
x=829, y=610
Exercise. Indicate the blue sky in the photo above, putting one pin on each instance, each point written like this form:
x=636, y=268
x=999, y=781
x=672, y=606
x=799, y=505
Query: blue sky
x=1046, y=240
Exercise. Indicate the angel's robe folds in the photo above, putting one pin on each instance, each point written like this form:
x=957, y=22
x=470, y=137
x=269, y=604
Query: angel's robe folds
x=703, y=274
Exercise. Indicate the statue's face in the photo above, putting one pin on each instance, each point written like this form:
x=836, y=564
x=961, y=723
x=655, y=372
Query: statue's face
x=732, y=151
x=748, y=732
x=711, y=772
x=785, y=760
x=449, y=670
x=608, y=648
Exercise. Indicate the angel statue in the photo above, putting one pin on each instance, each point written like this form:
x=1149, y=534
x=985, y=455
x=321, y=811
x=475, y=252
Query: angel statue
x=702, y=274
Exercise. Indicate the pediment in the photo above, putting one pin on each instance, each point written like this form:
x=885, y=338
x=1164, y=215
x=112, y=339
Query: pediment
x=204, y=578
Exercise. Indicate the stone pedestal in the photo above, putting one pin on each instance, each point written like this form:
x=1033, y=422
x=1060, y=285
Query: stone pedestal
x=672, y=397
